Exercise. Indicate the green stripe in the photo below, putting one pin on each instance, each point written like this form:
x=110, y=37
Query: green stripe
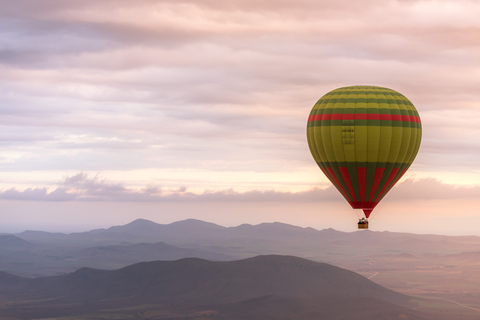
x=332, y=100
x=365, y=90
x=329, y=176
x=329, y=110
x=371, y=168
x=352, y=172
x=381, y=123
x=383, y=181
x=361, y=164
x=338, y=174
x=394, y=180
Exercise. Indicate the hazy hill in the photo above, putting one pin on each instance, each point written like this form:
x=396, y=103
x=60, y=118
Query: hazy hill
x=122, y=255
x=191, y=232
x=434, y=265
x=84, y=239
x=179, y=233
x=272, y=287
x=118, y=246
x=461, y=259
x=11, y=242
x=148, y=228
x=257, y=239
x=23, y=258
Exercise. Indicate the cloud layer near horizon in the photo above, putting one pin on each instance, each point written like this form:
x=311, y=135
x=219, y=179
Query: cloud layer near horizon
x=81, y=187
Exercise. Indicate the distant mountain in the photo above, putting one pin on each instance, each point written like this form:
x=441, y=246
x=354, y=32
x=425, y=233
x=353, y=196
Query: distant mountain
x=56, y=252
x=270, y=236
x=11, y=242
x=272, y=287
x=180, y=232
x=149, y=228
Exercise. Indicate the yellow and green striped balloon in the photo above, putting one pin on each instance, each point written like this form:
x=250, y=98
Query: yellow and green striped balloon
x=364, y=138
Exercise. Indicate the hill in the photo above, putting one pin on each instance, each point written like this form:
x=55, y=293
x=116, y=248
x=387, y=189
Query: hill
x=143, y=240
x=272, y=236
x=118, y=256
x=272, y=287
x=11, y=242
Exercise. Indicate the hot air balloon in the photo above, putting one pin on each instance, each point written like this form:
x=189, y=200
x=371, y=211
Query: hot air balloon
x=364, y=138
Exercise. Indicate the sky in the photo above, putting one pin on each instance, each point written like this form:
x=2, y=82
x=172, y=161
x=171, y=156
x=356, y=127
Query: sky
x=170, y=110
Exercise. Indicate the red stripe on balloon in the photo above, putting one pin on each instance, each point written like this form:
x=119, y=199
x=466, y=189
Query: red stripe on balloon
x=362, y=178
x=348, y=181
x=376, y=182
x=363, y=204
x=336, y=182
x=367, y=207
x=390, y=178
x=391, y=186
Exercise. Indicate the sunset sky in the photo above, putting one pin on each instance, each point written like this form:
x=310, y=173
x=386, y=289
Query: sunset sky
x=169, y=110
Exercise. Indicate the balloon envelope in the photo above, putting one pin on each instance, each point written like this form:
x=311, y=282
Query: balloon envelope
x=364, y=138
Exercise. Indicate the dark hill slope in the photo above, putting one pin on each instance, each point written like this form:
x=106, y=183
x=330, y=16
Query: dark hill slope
x=260, y=288
x=195, y=281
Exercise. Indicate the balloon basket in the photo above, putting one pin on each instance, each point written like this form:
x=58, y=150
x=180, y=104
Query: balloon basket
x=363, y=225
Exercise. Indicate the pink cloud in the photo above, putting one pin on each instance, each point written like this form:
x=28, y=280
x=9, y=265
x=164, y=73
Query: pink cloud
x=81, y=187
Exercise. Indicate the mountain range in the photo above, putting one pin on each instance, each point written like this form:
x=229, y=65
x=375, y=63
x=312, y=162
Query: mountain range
x=198, y=270
x=37, y=253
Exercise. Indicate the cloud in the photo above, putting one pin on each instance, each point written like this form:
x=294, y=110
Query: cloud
x=37, y=194
x=432, y=189
x=81, y=187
